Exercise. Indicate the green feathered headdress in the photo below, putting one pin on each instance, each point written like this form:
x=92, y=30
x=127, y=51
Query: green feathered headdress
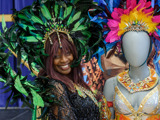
x=34, y=24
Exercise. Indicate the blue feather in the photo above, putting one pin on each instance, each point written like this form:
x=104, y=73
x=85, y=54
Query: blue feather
x=100, y=52
x=105, y=32
x=157, y=43
x=157, y=65
x=152, y=3
x=99, y=63
x=116, y=3
x=158, y=32
x=100, y=2
x=157, y=59
x=110, y=45
x=97, y=20
x=158, y=1
x=110, y=6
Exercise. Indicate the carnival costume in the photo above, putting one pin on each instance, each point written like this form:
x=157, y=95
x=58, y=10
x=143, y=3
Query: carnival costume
x=26, y=39
x=118, y=18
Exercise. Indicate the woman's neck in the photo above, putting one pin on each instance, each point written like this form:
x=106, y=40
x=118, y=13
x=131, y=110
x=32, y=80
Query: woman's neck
x=139, y=73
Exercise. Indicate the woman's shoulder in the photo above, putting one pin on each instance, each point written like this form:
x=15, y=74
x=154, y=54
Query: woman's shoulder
x=58, y=85
x=56, y=82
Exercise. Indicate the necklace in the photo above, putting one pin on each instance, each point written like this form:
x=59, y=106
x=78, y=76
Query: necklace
x=143, y=85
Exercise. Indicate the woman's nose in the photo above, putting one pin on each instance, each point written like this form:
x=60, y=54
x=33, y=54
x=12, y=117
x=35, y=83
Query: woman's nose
x=64, y=58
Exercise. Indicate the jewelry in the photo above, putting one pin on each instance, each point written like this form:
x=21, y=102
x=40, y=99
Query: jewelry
x=146, y=84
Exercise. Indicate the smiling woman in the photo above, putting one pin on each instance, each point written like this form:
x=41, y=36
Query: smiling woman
x=52, y=37
x=68, y=81
x=61, y=59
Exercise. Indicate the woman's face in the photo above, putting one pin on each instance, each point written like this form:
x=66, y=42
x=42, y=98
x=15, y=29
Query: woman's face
x=62, y=62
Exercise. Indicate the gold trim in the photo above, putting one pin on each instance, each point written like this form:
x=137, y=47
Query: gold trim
x=146, y=98
x=47, y=35
x=7, y=17
x=123, y=98
x=141, y=106
x=158, y=106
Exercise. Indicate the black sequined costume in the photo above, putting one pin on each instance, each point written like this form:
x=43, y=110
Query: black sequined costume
x=73, y=106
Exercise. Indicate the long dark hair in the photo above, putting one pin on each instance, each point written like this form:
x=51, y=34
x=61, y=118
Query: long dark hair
x=52, y=50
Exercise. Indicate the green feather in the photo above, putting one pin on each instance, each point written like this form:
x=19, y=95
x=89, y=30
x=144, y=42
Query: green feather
x=29, y=39
x=67, y=11
x=34, y=18
x=28, y=84
x=70, y=17
x=75, y=17
x=37, y=99
x=2, y=80
x=78, y=23
x=45, y=12
x=81, y=27
x=98, y=41
x=83, y=42
x=24, y=17
x=38, y=36
x=12, y=36
x=61, y=13
x=87, y=34
x=3, y=24
x=19, y=86
x=56, y=9
x=74, y=1
x=24, y=26
x=43, y=19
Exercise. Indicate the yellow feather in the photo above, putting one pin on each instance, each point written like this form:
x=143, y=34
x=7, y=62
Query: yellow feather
x=137, y=17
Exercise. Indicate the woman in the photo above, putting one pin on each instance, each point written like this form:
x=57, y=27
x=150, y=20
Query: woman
x=54, y=36
x=76, y=99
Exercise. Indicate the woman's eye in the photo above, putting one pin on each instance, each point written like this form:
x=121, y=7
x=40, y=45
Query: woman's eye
x=68, y=53
x=57, y=56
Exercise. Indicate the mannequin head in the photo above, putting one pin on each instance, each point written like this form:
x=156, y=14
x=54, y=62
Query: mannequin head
x=136, y=47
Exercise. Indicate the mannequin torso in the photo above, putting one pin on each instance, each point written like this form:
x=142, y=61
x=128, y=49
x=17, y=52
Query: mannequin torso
x=136, y=48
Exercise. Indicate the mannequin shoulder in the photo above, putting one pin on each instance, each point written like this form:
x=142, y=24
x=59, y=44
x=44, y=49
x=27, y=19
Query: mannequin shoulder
x=111, y=82
x=109, y=88
x=158, y=80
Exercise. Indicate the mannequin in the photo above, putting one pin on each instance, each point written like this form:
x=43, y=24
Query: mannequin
x=136, y=47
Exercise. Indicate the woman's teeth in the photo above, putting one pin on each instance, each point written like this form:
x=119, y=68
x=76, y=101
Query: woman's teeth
x=65, y=67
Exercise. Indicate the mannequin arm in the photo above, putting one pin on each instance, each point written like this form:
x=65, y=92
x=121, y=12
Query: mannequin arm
x=109, y=90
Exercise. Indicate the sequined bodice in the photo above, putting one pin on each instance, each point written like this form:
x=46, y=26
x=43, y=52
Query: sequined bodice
x=150, y=105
